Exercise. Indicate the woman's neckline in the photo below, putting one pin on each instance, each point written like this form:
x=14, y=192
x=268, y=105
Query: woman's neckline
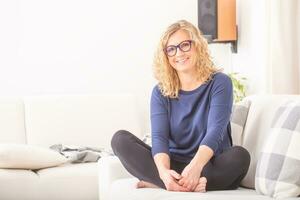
x=196, y=89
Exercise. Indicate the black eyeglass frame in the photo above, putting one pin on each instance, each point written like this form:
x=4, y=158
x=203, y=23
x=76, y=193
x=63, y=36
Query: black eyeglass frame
x=178, y=47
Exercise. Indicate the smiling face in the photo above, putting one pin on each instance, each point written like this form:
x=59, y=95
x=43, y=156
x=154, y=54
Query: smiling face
x=183, y=60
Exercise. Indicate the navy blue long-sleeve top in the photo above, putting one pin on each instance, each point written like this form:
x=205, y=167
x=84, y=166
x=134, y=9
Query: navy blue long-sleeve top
x=198, y=117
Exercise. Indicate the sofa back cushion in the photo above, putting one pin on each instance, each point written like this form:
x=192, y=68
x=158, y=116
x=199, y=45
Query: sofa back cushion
x=258, y=127
x=12, y=129
x=85, y=120
x=238, y=120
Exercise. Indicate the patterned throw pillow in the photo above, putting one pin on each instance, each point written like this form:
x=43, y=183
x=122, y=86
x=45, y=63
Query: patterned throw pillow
x=238, y=120
x=278, y=169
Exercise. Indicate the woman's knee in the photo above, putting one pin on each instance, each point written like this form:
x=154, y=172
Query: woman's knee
x=119, y=139
x=242, y=155
x=241, y=152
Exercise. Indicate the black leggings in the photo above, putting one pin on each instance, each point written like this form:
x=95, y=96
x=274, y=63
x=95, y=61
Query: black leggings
x=223, y=172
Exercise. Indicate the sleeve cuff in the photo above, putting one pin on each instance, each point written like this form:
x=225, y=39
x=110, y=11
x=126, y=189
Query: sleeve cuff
x=211, y=144
x=160, y=150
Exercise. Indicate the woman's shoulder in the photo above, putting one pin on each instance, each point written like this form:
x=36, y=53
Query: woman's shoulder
x=157, y=95
x=156, y=91
x=221, y=78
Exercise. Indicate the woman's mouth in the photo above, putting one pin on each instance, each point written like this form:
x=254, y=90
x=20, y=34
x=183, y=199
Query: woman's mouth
x=181, y=61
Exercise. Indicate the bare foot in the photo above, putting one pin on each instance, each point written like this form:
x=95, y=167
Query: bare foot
x=144, y=184
x=201, y=187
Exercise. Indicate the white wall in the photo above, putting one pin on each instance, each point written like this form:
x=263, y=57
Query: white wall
x=81, y=46
x=91, y=46
x=251, y=59
x=73, y=46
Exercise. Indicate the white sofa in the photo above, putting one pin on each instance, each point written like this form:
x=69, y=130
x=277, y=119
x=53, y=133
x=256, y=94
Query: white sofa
x=85, y=120
x=115, y=183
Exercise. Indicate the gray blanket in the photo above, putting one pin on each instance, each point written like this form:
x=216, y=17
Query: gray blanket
x=78, y=154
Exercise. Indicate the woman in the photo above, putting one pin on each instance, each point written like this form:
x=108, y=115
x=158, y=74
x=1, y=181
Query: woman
x=190, y=111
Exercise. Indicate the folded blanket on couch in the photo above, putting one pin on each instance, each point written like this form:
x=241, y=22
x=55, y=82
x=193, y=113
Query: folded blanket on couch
x=78, y=154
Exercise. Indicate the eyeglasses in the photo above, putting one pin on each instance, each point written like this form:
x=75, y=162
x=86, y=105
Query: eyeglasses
x=184, y=46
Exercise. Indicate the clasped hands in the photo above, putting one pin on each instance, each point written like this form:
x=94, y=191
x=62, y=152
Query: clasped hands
x=188, y=181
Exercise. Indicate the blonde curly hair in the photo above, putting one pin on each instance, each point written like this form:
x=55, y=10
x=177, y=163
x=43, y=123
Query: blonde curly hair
x=168, y=80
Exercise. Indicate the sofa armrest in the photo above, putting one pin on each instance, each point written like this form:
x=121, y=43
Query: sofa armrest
x=110, y=169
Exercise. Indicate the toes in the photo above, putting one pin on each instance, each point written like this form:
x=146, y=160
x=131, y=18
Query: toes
x=202, y=185
x=145, y=184
x=200, y=190
x=202, y=180
x=140, y=184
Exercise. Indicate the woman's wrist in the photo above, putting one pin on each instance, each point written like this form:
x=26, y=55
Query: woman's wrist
x=162, y=162
x=162, y=171
x=197, y=163
x=203, y=155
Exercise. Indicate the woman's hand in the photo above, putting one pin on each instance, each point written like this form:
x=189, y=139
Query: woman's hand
x=170, y=179
x=190, y=177
x=191, y=173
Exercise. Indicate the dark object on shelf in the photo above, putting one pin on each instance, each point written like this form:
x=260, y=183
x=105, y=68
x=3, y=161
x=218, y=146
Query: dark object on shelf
x=217, y=21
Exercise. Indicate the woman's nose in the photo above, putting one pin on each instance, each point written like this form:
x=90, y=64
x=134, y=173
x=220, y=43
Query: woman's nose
x=179, y=52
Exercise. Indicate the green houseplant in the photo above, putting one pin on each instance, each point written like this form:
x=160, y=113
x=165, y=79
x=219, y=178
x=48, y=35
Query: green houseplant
x=239, y=86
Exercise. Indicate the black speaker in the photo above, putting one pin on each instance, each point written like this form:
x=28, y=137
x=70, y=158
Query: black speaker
x=207, y=18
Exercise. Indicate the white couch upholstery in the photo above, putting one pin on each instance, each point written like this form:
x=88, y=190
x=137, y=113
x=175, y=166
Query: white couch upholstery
x=115, y=183
x=85, y=120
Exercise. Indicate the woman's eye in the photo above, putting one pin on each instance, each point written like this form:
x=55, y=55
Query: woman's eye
x=170, y=49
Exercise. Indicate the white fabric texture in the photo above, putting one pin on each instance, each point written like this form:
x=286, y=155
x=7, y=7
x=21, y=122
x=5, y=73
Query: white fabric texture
x=69, y=182
x=21, y=156
x=80, y=120
x=238, y=120
x=257, y=128
x=110, y=169
x=86, y=120
x=80, y=154
x=18, y=184
x=278, y=169
x=125, y=189
x=66, y=182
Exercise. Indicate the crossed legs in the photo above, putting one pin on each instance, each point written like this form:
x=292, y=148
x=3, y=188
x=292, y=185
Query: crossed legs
x=223, y=172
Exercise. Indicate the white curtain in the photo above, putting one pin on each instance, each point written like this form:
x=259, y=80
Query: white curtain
x=283, y=35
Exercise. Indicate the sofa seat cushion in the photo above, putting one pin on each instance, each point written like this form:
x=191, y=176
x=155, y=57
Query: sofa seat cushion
x=125, y=189
x=66, y=182
x=16, y=184
x=69, y=182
